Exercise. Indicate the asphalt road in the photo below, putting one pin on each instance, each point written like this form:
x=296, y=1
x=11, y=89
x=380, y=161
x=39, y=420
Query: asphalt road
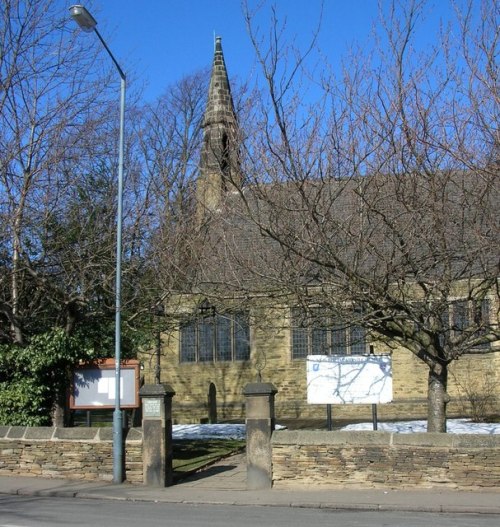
x=19, y=511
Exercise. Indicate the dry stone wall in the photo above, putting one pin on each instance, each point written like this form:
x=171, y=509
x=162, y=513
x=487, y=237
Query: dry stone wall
x=385, y=460
x=74, y=453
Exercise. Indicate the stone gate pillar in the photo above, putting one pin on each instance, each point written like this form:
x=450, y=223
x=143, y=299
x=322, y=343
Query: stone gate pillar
x=157, y=434
x=259, y=425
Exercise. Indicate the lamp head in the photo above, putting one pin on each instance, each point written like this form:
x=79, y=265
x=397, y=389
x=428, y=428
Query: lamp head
x=83, y=18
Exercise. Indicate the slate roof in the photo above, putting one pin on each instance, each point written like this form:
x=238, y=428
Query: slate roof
x=384, y=227
x=266, y=236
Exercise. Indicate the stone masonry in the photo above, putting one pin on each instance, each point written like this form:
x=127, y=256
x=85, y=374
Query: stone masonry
x=74, y=453
x=272, y=340
x=385, y=460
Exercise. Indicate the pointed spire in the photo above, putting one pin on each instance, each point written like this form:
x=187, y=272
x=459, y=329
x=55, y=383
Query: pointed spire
x=219, y=163
x=220, y=109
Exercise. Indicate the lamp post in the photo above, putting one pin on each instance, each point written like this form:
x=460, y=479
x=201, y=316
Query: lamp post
x=87, y=22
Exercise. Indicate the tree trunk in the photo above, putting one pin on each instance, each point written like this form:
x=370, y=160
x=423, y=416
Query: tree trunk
x=58, y=416
x=437, y=398
x=15, y=326
x=61, y=415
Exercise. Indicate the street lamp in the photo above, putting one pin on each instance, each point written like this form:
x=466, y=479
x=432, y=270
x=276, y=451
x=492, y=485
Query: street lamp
x=87, y=22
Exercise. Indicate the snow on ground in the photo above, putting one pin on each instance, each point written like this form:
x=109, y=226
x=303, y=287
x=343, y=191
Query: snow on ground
x=237, y=431
x=218, y=431
x=454, y=426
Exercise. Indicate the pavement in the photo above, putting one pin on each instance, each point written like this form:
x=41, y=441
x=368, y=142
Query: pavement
x=224, y=483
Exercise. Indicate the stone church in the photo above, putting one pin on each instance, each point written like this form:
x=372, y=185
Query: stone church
x=232, y=328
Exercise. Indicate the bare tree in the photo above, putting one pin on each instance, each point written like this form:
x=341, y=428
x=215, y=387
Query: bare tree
x=51, y=104
x=379, y=199
x=57, y=189
x=170, y=141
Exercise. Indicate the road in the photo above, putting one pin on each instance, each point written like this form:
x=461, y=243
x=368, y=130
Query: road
x=19, y=511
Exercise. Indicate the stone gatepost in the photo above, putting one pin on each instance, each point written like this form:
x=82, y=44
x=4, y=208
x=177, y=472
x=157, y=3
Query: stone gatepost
x=260, y=426
x=157, y=434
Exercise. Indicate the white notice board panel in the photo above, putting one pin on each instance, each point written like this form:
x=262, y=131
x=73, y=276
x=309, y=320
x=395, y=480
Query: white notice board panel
x=349, y=379
x=94, y=385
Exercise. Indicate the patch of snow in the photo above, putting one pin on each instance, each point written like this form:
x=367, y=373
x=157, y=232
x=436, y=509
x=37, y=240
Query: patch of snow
x=454, y=426
x=238, y=431
x=206, y=431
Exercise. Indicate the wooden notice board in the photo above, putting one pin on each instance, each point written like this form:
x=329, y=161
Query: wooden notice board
x=94, y=385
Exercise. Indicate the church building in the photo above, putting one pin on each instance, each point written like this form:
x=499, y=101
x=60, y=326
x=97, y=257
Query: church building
x=232, y=328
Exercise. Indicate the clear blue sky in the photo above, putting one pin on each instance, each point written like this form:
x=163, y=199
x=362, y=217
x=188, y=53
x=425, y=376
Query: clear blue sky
x=157, y=42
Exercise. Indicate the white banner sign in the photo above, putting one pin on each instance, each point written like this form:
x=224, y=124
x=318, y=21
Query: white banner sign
x=349, y=379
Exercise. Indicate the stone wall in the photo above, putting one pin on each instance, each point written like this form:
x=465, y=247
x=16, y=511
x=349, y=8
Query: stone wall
x=74, y=453
x=385, y=460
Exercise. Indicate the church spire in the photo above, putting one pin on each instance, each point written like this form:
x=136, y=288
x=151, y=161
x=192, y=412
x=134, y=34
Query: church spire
x=220, y=109
x=219, y=168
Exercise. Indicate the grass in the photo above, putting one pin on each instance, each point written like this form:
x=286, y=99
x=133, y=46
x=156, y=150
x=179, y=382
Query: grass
x=190, y=456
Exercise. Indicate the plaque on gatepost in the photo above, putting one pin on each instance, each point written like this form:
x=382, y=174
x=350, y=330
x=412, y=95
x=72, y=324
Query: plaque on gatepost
x=151, y=407
x=157, y=432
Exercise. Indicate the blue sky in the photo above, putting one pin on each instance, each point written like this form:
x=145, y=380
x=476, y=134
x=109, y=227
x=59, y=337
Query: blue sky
x=157, y=42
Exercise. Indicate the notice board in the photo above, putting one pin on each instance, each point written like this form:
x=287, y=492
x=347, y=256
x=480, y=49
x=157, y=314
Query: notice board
x=94, y=385
x=349, y=379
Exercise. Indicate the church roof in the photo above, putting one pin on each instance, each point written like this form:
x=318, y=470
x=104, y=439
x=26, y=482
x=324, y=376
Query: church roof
x=382, y=227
